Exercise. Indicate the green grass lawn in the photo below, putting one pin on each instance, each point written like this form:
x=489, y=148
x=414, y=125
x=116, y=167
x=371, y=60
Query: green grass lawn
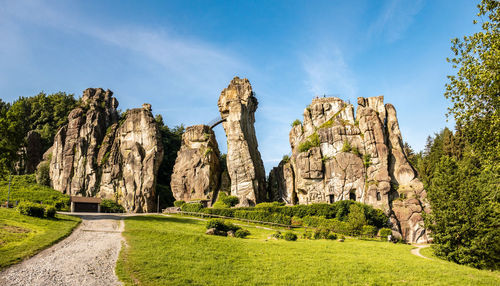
x=23, y=236
x=175, y=251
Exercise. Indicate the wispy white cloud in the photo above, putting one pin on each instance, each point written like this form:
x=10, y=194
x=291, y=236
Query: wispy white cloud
x=181, y=58
x=394, y=19
x=328, y=73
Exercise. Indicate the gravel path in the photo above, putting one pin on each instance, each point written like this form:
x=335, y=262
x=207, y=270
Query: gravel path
x=416, y=251
x=87, y=257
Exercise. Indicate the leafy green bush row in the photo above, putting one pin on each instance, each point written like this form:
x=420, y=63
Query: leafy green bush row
x=338, y=210
x=36, y=210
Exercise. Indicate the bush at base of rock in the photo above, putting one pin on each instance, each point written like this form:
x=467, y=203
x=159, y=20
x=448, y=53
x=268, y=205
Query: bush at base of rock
x=192, y=207
x=290, y=236
x=110, y=206
x=179, y=203
x=241, y=233
x=31, y=209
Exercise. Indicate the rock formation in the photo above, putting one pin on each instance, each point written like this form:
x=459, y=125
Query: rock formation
x=237, y=105
x=197, y=168
x=95, y=154
x=339, y=156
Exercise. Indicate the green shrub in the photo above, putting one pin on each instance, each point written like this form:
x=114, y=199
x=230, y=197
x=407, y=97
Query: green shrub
x=305, y=146
x=241, y=233
x=277, y=235
x=219, y=211
x=367, y=160
x=290, y=236
x=331, y=236
x=307, y=235
x=285, y=159
x=297, y=221
x=368, y=230
x=221, y=225
x=346, y=147
x=355, y=151
x=62, y=203
x=220, y=205
x=42, y=174
x=317, y=234
x=296, y=122
x=192, y=207
x=384, y=233
x=356, y=219
x=179, y=203
x=312, y=141
x=269, y=205
x=110, y=206
x=229, y=201
x=31, y=209
x=50, y=211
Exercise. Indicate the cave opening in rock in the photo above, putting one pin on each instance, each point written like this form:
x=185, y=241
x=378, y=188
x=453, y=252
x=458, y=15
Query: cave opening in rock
x=352, y=195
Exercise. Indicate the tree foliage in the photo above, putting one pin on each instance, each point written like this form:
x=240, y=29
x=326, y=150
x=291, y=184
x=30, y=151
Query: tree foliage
x=42, y=113
x=461, y=170
x=171, y=139
x=475, y=89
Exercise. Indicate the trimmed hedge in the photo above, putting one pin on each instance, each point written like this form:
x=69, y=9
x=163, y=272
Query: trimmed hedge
x=50, y=211
x=31, y=209
x=179, y=203
x=192, y=207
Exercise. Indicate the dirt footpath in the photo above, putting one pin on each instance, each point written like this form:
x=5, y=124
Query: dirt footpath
x=87, y=257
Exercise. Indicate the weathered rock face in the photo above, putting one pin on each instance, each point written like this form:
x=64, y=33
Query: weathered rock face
x=237, y=105
x=129, y=159
x=339, y=156
x=95, y=155
x=30, y=154
x=197, y=168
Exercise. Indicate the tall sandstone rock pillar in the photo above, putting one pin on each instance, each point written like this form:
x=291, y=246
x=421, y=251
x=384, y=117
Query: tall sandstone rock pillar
x=237, y=105
x=197, y=168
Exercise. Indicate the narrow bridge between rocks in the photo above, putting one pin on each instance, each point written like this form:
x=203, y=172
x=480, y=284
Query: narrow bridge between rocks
x=216, y=121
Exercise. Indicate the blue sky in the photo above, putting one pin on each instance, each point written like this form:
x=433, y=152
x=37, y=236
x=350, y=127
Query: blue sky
x=179, y=55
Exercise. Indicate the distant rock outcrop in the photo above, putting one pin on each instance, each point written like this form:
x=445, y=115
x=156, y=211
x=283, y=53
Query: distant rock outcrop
x=197, y=168
x=96, y=154
x=339, y=156
x=237, y=105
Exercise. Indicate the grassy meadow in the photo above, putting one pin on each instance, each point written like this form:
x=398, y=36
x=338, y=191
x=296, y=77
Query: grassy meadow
x=174, y=250
x=23, y=236
x=25, y=188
